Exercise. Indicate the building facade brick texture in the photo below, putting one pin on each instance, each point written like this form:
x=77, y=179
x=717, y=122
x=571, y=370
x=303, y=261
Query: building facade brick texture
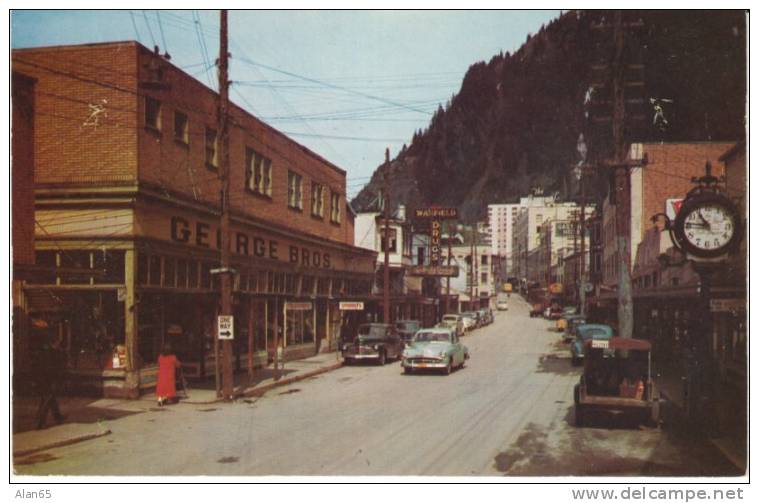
x=112, y=115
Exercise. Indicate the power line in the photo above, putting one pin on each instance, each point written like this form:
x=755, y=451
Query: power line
x=160, y=27
x=334, y=86
x=150, y=30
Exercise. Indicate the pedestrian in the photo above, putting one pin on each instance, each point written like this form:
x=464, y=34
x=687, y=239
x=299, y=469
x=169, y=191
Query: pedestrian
x=166, y=387
x=51, y=370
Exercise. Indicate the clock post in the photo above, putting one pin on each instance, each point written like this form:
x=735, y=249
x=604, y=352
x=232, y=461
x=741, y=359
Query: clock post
x=706, y=230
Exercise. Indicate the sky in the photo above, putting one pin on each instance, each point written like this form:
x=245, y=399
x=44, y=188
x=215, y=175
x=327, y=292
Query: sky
x=346, y=84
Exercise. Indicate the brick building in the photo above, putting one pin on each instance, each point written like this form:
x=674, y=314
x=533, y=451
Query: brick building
x=127, y=186
x=22, y=204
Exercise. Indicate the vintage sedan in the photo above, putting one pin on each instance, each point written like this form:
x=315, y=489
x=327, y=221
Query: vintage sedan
x=586, y=332
x=471, y=320
x=454, y=322
x=434, y=348
x=407, y=328
x=373, y=341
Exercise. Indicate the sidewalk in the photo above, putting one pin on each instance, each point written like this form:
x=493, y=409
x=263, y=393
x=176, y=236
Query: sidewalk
x=85, y=417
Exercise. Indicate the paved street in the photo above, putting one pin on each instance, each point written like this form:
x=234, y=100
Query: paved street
x=508, y=412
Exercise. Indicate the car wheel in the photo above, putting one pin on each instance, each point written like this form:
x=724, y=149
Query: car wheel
x=579, y=416
x=448, y=368
x=407, y=370
x=347, y=361
x=382, y=357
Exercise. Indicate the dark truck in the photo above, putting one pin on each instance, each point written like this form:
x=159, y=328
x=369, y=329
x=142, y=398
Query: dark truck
x=617, y=379
x=373, y=341
x=407, y=329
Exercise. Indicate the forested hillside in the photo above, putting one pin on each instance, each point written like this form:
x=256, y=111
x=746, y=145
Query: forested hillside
x=515, y=122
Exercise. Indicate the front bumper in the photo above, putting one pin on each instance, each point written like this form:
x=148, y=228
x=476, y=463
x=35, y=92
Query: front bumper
x=424, y=363
x=362, y=355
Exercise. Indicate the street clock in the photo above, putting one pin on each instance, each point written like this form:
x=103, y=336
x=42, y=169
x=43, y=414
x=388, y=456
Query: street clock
x=708, y=223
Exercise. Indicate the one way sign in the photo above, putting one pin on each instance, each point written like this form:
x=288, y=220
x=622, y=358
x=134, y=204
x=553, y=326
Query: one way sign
x=226, y=327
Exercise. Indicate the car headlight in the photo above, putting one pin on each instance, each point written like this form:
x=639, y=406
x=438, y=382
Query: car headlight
x=376, y=347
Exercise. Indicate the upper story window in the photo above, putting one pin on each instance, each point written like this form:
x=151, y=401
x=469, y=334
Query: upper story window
x=212, y=150
x=317, y=200
x=181, y=128
x=152, y=113
x=334, y=214
x=294, y=190
x=484, y=260
x=258, y=173
x=392, y=240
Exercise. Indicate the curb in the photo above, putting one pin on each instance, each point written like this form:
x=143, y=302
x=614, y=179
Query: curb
x=289, y=380
x=61, y=443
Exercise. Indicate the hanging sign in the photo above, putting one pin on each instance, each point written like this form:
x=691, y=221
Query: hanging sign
x=226, y=327
x=298, y=306
x=351, y=306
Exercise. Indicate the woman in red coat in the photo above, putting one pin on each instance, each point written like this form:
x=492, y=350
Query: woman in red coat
x=166, y=388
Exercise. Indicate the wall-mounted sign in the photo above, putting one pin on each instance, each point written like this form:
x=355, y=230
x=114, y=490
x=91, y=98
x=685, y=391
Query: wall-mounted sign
x=298, y=306
x=727, y=305
x=226, y=327
x=435, y=228
x=437, y=213
x=433, y=270
x=351, y=306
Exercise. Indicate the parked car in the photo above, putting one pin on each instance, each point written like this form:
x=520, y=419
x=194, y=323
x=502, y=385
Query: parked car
x=554, y=313
x=567, y=323
x=373, y=341
x=586, y=332
x=407, y=328
x=471, y=320
x=574, y=321
x=502, y=305
x=537, y=310
x=569, y=310
x=454, y=321
x=617, y=378
x=547, y=313
x=434, y=348
x=486, y=316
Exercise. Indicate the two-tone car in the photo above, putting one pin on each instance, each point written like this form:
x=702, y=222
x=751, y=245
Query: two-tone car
x=584, y=333
x=454, y=322
x=434, y=348
x=407, y=329
x=377, y=342
x=471, y=320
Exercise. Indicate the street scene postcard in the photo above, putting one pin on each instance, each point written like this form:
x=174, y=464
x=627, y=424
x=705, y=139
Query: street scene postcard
x=385, y=245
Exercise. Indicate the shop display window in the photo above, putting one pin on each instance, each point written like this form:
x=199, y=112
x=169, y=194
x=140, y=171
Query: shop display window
x=112, y=262
x=181, y=273
x=75, y=259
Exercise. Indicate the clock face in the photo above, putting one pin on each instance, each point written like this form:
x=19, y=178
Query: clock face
x=709, y=226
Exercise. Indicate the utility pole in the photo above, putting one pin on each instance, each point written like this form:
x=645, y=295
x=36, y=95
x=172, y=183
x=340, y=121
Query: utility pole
x=226, y=272
x=448, y=278
x=386, y=240
x=582, y=240
x=620, y=191
x=622, y=184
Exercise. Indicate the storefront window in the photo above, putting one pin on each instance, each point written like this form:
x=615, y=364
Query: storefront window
x=192, y=274
x=46, y=259
x=169, y=278
x=205, y=275
x=154, y=264
x=112, y=262
x=75, y=259
x=142, y=269
x=181, y=273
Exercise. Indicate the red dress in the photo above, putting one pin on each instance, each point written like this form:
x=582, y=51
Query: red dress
x=167, y=386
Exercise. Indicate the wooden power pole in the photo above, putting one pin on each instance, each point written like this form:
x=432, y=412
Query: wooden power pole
x=226, y=272
x=622, y=183
x=386, y=241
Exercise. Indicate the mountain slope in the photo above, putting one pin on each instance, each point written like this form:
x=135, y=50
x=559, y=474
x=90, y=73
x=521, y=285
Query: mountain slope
x=515, y=122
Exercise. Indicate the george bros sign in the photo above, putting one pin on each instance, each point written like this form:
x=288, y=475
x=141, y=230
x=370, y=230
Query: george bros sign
x=199, y=234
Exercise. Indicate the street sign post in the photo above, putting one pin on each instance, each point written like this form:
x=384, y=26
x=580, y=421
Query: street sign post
x=226, y=327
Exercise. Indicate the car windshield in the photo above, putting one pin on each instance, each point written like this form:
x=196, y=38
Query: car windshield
x=407, y=325
x=590, y=333
x=371, y=331
x=432, y=337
